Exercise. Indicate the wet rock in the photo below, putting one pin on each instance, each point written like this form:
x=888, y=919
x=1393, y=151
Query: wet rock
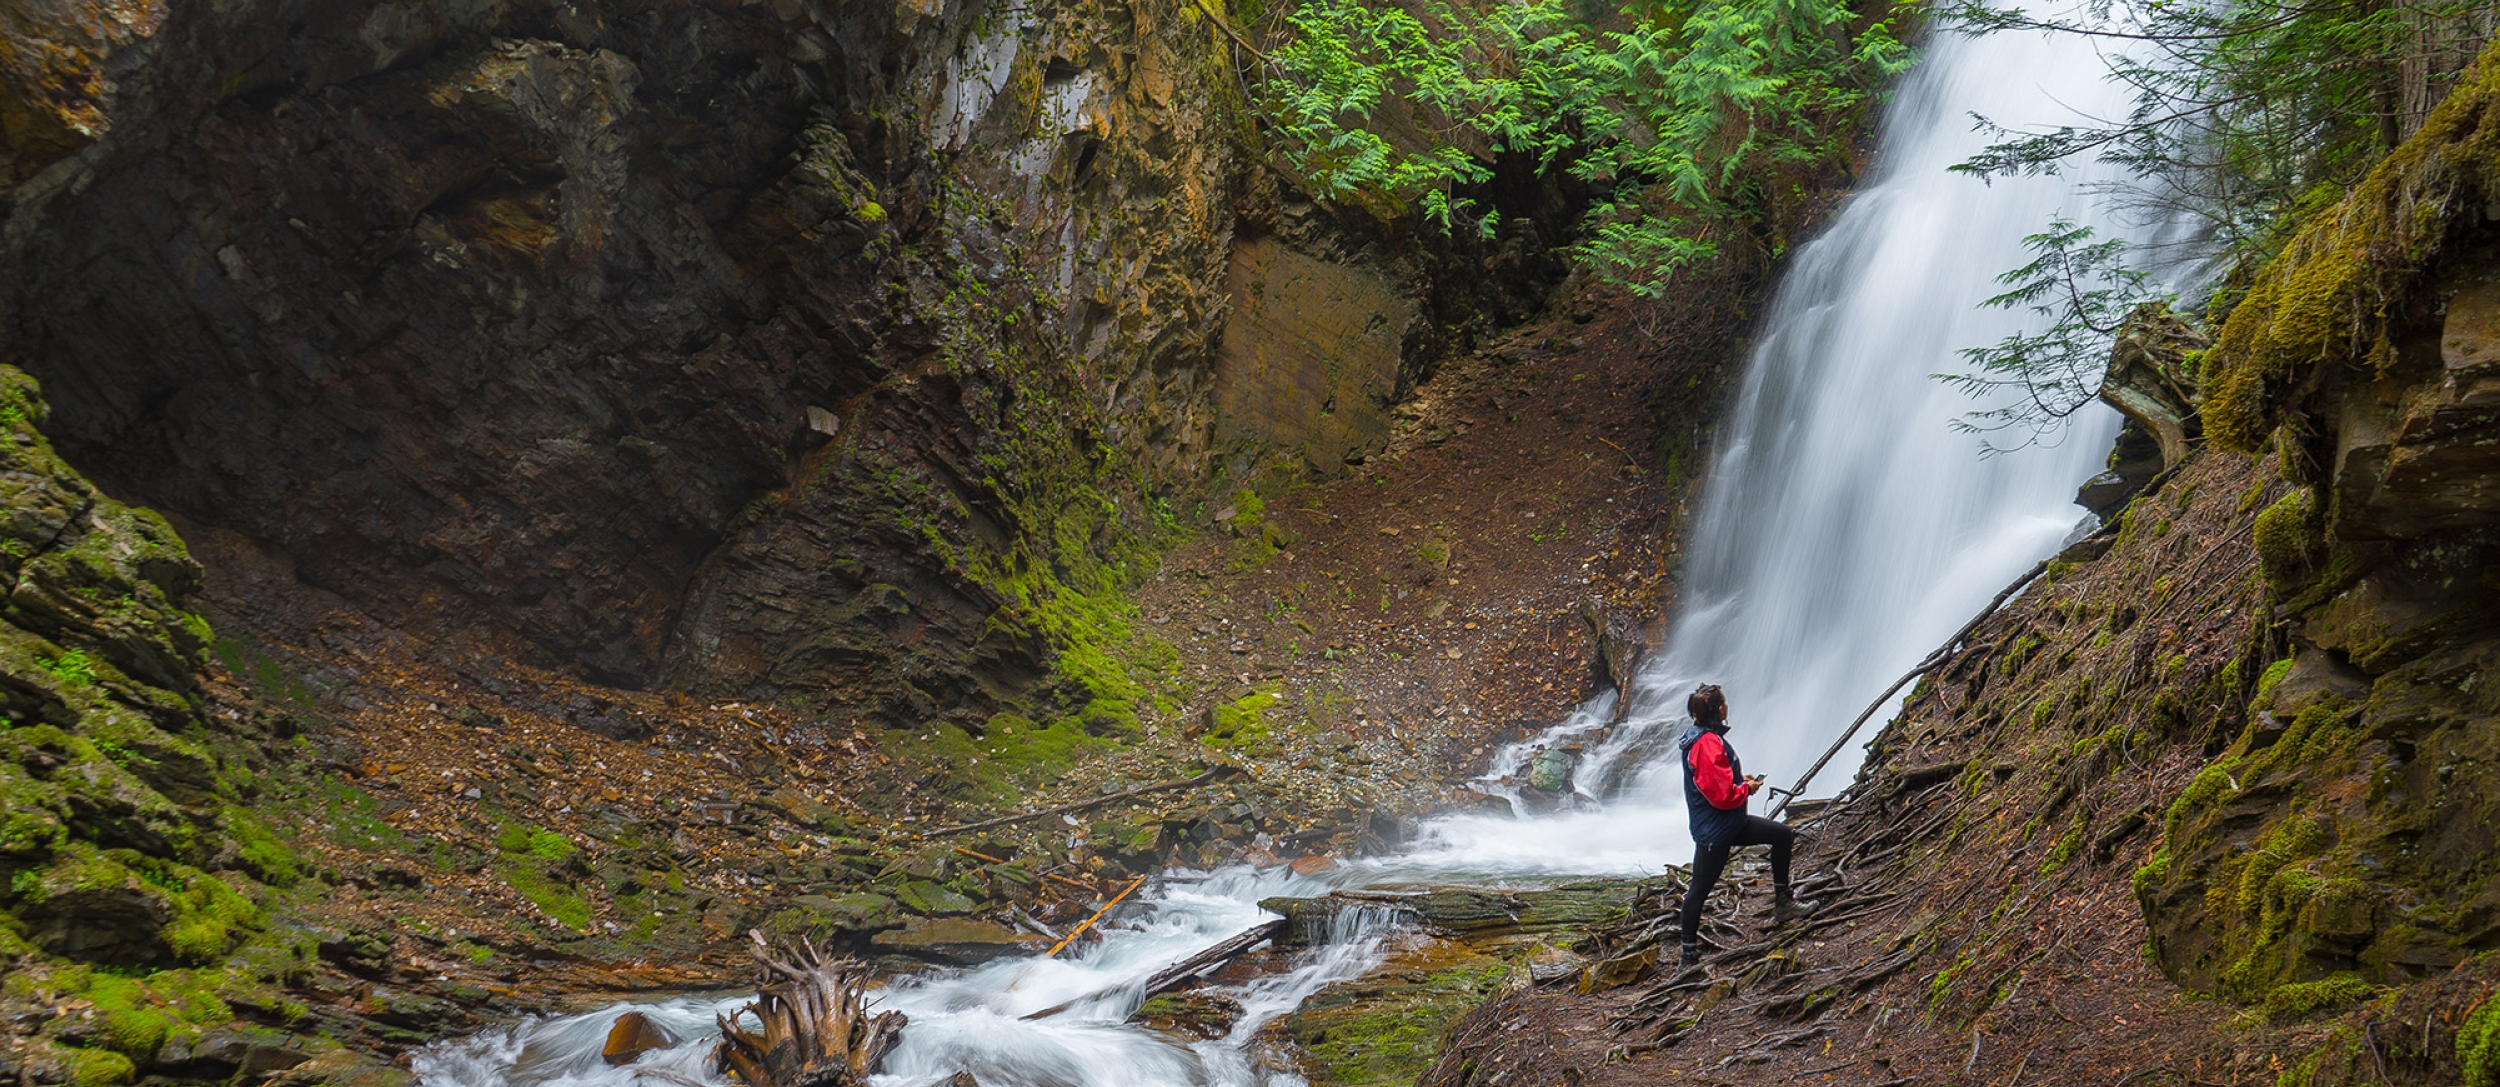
x=1616, y=648
x=341, y=1068
x=957, y=940
x=1550, y=771
x=857, y=912
x=225, y=1054
x=633, y=1035
x=100, y=914
x=360, y=949
x=793, y=804
x=935, y=900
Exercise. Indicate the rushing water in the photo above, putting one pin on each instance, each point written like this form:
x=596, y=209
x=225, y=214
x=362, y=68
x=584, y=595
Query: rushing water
x=1847, y=528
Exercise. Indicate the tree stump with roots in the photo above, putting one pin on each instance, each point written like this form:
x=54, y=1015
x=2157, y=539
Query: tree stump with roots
x=817, y=1030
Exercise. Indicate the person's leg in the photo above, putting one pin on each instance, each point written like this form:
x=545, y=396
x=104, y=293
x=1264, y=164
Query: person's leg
x=1708, y=862
x=1771, y=832
x=1760, y=831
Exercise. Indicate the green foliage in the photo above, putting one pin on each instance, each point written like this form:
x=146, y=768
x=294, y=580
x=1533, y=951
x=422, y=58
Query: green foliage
x=73, y=669
x=1684, y=119
x=2084, y=290
x=2245, y=113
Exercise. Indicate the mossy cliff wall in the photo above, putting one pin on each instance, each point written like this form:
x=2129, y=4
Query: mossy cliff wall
x=2350, y=830
x=2267, y=705
x=758, y=347
x=135, y=884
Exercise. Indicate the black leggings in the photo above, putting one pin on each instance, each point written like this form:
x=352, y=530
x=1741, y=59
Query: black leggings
x=1710, y=860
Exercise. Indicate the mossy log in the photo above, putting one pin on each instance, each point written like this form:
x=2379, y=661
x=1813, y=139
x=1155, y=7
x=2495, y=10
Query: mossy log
x=817, y=1030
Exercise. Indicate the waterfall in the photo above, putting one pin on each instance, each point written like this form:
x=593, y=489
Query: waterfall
x=1846, y=529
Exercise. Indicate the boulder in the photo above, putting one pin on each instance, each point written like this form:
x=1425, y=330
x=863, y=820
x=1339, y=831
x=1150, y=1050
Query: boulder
x=633, y=1035
x=1550, y=771
x=1616, y=647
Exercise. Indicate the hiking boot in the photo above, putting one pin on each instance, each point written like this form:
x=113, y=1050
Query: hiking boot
x=1692, y=958
x=1786, y=907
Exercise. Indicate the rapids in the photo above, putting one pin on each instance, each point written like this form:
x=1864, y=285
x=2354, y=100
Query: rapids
x=1846, y=529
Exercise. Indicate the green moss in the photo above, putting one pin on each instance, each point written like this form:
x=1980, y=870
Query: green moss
x=2325, y=299
x=1241, y=723
x=259, y=849
x=554, y=897
x=99, y=1068
x=2020, y=651
x=2154, y=873
x=2478, y=1044
x=2305, y=998
x=1390, y=1037
x=526, y=840
x=2290, y=537
x=2067, y=845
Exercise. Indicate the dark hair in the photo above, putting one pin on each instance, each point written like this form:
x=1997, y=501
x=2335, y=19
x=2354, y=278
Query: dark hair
x=1707, y=705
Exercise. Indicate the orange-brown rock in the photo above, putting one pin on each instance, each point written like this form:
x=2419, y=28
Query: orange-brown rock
x=634, y=1035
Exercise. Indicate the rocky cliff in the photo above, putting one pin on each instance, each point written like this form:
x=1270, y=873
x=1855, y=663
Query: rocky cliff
x=2345, y=838
x=800, y=346
x=140, y=882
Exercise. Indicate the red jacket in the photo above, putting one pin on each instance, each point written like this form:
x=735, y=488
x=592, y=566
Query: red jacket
x=1715, y=776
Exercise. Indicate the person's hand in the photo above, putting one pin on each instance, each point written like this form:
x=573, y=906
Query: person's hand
x=1754, y=780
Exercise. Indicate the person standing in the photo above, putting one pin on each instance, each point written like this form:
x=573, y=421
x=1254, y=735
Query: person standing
x=1715, y=790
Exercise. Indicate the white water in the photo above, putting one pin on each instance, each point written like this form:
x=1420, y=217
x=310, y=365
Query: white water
x=1847, y=528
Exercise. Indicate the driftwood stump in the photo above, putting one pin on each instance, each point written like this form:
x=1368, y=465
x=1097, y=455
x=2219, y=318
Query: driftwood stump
x=817, y=1030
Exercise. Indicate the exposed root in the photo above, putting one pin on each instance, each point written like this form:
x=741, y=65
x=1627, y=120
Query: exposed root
x=817, y=1030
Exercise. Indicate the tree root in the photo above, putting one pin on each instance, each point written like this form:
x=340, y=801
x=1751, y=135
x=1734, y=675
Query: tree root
x=817, y=1030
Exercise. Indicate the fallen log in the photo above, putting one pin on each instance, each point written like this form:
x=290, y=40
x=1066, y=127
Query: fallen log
x=816, y=1028
x=1107, y=798
x=1174, y=976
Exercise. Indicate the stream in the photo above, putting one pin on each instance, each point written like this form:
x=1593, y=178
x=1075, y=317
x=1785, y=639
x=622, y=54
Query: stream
x=1846, y=528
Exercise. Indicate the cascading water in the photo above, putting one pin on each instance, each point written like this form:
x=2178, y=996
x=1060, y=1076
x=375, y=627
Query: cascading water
x=1847, y=528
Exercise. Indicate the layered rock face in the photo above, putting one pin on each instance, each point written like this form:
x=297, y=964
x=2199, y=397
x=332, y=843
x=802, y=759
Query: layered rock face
x=758, y=347
x=2350, y=828
x=113, y=806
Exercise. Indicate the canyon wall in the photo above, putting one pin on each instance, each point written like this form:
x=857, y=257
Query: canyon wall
x=772, y=348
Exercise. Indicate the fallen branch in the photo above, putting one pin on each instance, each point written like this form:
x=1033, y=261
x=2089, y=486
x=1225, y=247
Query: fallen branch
x=1089, y=922
x=817, y=1030
x=1941, y=654
x=1173, y=976
x=1214, y=774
